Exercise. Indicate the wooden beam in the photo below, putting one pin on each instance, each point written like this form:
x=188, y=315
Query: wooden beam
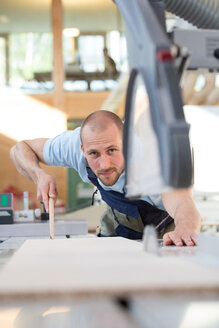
x=5, y=36
x=58, y=68
x=7, y=67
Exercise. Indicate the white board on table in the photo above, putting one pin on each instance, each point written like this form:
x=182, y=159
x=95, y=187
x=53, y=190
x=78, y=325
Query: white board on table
x=98, y=265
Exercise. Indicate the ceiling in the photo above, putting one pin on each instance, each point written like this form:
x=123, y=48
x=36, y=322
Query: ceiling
x=34, y=15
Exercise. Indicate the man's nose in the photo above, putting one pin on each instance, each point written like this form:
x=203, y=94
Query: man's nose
x=104, y=162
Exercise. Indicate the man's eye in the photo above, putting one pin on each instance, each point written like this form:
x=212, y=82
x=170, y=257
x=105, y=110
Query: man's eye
x=93, y=153
x=112, y=150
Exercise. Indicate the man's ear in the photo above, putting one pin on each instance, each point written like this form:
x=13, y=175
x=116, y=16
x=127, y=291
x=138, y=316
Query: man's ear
x=82, y=148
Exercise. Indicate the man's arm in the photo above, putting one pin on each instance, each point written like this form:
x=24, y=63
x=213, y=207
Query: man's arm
x=181, y=207
x=26, y=156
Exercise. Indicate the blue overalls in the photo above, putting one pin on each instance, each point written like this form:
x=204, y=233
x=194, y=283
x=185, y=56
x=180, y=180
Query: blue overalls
x=148, y=213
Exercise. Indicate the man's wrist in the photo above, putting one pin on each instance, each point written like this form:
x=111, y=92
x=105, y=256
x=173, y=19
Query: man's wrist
x=36, y=174
x=185, y=224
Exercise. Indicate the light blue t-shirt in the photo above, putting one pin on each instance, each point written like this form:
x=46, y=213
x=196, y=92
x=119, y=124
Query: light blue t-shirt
x=65, y=150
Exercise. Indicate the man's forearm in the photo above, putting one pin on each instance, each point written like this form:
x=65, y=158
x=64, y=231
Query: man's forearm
x=27, y=156
x=187, y=215
x=181, y=207
x=25, y=161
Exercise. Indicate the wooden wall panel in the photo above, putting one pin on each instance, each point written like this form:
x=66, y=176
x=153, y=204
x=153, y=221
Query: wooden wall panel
x=77, y=104
x=9, y=176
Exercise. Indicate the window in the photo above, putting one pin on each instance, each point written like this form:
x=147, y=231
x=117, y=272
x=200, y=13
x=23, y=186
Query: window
x=29, y=53
x=91, y=52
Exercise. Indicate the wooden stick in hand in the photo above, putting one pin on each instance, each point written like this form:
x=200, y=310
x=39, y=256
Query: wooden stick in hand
x=51, y=217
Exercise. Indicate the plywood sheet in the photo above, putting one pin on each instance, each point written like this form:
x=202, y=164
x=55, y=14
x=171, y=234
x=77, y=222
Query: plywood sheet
x=109, y=266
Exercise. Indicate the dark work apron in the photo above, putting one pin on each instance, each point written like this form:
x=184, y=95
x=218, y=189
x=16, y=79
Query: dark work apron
x=148, y=213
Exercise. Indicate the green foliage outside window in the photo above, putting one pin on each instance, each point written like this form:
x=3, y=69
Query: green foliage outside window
x=29, y=53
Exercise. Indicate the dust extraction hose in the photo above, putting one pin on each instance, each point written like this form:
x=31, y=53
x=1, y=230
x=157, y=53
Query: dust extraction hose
x=201, y=13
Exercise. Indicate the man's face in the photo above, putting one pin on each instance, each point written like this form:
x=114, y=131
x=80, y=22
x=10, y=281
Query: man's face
x=103, y=151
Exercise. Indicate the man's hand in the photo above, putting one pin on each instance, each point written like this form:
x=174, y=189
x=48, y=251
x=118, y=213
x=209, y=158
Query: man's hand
x=46, y=188
x=181, y=207
x=180, y=237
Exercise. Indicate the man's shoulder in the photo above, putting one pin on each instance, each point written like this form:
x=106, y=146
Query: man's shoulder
x=69, y=140
x=71, y=135
x=64, y=150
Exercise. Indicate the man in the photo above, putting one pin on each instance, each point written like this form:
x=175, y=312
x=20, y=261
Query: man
x=95, y=151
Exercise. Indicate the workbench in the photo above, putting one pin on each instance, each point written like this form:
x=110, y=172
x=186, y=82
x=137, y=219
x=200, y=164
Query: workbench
x=87, y=281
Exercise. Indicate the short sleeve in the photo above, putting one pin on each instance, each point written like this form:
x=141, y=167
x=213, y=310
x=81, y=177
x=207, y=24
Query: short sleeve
x=65, y=150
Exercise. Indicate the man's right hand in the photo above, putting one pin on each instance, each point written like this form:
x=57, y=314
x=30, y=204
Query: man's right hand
x=46, y=188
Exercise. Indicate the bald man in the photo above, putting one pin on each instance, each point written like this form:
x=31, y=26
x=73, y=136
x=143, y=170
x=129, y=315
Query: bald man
x=95, y=151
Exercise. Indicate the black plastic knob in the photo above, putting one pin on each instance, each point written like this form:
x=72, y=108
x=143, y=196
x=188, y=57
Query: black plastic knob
x=216, y=53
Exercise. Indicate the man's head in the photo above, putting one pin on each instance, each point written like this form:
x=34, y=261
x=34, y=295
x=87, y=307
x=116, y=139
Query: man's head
x=101, y=143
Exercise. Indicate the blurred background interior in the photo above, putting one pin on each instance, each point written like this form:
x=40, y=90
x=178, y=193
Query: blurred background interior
x=54, y=71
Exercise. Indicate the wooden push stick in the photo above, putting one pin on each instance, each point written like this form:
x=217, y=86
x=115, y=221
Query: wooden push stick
x=51, y=217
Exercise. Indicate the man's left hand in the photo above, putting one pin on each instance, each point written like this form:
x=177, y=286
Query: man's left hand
x=180, y=237
x=181, y=207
